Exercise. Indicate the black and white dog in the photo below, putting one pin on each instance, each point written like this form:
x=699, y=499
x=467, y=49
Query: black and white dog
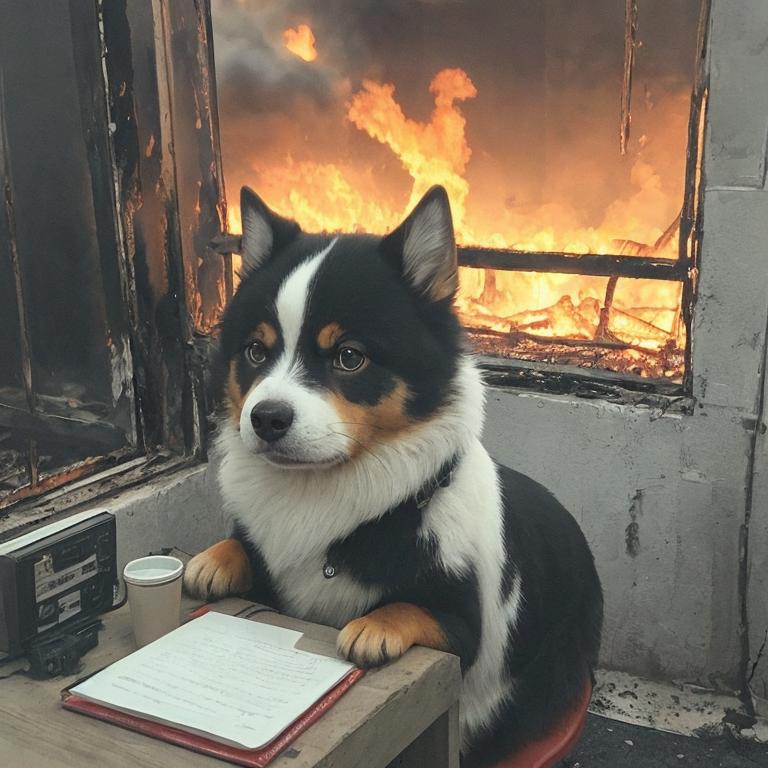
x=362, y=497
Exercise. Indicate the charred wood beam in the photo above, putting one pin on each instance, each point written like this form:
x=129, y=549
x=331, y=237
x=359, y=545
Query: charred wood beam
x=10, y=226
x=87, y=49
x=57, y=480
x=596, y=264
x=143, y=149
x=513, y=336
x=62, y=429
x=690, y=234
x=13, y=254
x=159, y=66
x=630, y=42
x=602, y=331
x=594, y=383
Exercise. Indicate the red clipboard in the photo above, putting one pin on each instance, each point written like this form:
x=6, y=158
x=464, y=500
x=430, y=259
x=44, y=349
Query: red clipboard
x=252, y=758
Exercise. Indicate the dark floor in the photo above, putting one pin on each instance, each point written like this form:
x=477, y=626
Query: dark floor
x=611, y=744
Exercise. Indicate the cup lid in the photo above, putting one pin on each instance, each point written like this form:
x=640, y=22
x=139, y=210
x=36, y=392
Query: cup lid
x=155, y=569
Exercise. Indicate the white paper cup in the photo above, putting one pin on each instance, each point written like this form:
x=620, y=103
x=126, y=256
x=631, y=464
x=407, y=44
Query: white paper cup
x=154, y=595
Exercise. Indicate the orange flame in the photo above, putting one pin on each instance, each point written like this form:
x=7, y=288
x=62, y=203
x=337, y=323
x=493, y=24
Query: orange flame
x=301, y=42
x=433, y=153
x=333, y=197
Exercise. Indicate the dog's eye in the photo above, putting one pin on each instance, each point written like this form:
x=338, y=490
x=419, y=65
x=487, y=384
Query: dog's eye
x=349, y=359
x=255, y=353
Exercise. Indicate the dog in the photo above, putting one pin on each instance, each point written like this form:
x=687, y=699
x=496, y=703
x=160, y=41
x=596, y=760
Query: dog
x=361, y=496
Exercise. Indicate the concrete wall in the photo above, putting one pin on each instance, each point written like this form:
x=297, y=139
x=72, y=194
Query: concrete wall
x=182, y=511
x=749, y=165
x=757, y=573
x=672, y=579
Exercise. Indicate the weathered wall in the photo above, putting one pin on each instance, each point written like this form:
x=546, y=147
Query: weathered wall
x=662, y=498
x=757, y=573
x=740, y=150
x=181, y=511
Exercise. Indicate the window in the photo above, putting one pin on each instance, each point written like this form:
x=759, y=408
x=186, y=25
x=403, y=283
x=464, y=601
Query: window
x=111, y=192
x=574, y=231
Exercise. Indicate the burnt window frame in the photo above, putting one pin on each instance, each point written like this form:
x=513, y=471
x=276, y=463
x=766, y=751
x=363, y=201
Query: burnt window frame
x=560, y=378
x=146, y=86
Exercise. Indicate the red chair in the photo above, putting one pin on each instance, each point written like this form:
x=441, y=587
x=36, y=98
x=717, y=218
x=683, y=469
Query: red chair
x=557, y=744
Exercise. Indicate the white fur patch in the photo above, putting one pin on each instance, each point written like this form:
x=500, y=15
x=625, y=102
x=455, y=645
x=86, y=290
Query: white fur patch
x=312, y=438
x=293, y=298
x=296, y=514
x=467, y=523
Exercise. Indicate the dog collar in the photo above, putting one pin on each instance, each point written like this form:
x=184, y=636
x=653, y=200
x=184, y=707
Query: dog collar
x=442, y=479
x=419, y=500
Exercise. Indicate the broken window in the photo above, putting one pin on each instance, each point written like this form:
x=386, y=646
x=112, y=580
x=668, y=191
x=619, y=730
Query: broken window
x=110, y=193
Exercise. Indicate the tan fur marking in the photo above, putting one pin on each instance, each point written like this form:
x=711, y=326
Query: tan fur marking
x=387, y=633
x=220, y=570
x=329, y=335
x=368, y=425
x=265, y=333
x=235, y=396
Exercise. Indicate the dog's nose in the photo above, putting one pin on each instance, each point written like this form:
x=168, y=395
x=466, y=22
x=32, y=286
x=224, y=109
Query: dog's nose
x=271, y=419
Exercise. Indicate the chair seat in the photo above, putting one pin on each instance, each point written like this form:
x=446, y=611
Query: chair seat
x=557, y=744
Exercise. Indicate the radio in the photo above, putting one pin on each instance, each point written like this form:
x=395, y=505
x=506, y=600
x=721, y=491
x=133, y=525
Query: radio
x=56, y=579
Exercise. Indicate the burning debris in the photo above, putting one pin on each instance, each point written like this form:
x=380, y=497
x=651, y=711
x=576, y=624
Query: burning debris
x=342, y=140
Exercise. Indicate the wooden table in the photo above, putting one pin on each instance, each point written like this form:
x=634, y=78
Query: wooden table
x=405, y=714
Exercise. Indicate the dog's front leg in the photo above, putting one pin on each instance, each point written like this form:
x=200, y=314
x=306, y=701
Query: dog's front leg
x=221, y=570
x=388, y=632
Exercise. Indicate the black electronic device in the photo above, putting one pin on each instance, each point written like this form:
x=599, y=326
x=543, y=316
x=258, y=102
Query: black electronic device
x=55, y=580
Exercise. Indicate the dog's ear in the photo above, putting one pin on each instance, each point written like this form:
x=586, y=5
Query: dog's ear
x=424, y=247
x=264, y=232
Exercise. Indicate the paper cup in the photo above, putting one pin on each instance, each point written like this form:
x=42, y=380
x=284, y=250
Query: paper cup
x=154, y=595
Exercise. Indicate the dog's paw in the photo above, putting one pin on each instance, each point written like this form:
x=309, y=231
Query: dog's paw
x=218, y=571
x=387, y=633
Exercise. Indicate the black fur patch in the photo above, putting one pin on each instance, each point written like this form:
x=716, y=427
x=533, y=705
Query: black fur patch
x=404, y=336
x=262, y=585
x=389, y=554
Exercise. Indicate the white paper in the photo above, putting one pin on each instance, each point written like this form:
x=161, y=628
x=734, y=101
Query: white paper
x=232, y=679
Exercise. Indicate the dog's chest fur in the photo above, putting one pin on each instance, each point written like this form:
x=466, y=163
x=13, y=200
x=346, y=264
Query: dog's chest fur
x=295, y=522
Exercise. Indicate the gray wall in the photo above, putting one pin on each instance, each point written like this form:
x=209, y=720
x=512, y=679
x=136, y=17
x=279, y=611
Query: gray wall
x=672, y=596
x=182, y=511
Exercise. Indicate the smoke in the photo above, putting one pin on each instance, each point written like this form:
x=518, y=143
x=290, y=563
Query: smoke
x=256, y=74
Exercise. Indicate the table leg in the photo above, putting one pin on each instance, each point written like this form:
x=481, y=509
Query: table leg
x=437, y=747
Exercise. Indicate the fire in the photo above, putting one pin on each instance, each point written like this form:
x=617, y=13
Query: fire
x=301, y=42
x=433, y=153
x=642, y=317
